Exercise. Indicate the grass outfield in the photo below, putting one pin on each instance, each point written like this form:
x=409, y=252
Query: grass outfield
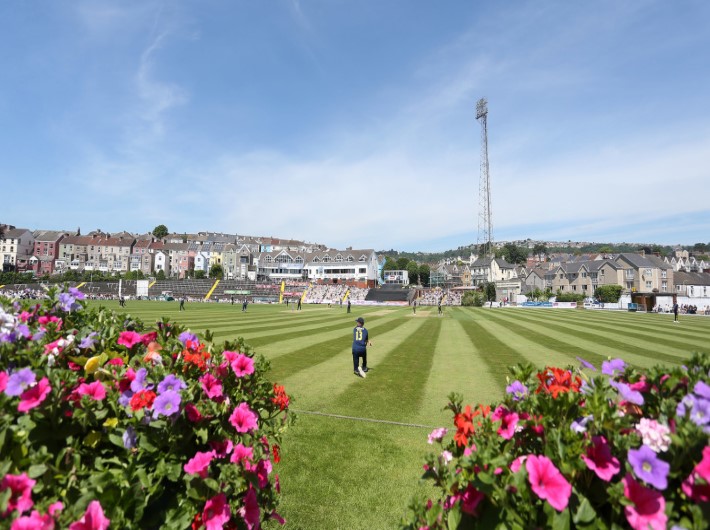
x=348, y=473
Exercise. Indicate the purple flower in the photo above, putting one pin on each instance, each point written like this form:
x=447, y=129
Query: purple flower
x=23, y=331
x=39, y=335
x=186, y=335
x=632, y=396
x=138, y=382
x=8, y=337
x=702, y=390
x=579, y=426
x=171, y=383
x=130, y=438
x=699, y=414
x=166, y=404
x=76, y=293
x=67, y=302
x=687, y=403
x=125, y=398
x=615, y=365
x=648, y=467
x=586, y=364
x=88, y=341
x=20, y=381
x=518, y=390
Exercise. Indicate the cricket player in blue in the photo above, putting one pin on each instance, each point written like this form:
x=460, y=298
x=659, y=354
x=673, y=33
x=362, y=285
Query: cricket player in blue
x=360, y=343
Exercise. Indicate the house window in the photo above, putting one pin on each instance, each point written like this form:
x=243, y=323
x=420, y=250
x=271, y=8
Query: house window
x=664, y=274
x=362, y=258
x=268, y=259
x=584, y=275
x=648, y=272
x=664, y=286
x=362, y=270
x=648, y=285
x=338, y=258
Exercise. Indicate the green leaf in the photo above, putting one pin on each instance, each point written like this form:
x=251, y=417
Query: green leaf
x=92, y=439
x=37, y=470
x=4, y=498
x=454, y=518
x=585, y=513
x=560, y=521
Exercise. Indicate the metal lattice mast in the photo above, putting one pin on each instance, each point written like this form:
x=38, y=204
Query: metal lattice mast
x=485, y=228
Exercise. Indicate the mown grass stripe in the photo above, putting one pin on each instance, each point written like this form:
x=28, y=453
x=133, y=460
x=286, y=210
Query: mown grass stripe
x=496, y=354
x=593, y=342
x=455, y=369
x=395, y=389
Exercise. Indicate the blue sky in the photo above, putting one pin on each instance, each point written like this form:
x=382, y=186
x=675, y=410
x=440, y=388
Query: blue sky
x=353, y=123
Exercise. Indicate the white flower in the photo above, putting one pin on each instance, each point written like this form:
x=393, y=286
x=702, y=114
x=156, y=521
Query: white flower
x=446, y=456
x=654, y=434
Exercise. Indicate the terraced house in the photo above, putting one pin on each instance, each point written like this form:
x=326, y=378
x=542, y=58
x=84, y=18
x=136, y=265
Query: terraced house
x=645, y=274
x=583, y=277
x=46, y=251
x=16, y=249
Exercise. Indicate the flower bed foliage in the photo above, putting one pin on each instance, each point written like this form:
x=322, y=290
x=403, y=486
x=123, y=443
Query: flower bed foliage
x=576, y=448
x=105, y=422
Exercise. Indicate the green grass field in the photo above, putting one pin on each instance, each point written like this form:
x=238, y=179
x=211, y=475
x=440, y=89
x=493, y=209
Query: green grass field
x=350, y=473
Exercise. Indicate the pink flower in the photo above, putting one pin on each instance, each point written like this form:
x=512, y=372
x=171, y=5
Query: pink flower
x=508, y=422
x=199, y=463
x=600, y=460
x=55, y=507
x=436, y=435
x=95, y=390
x=547, y=482
x=211, y=386
x=699, y=492
x=34, y=396
x=516, y=464
x=250, y=510
x=3, y=380
x=93, y=519
x=216, y=513
x=446, y=456
x=129, y=338
x=20, y=487
x=242, y=365
x=263, y=470
x=34, y=521
x=244, y=419
x=649, y=506
x=222, y=449
x=241, y=454
x=470, y=500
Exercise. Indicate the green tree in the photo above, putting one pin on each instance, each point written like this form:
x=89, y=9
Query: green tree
x=536, y=294
x=608, y=293
x=200, y=274
x=160, y=275
x=402, y=264
x=216, y=271
x=160, y=231
x=413, y=272
x=390, y=265
x=472, y=298
x=424, y=274
x=490, y=291
x=514, y=254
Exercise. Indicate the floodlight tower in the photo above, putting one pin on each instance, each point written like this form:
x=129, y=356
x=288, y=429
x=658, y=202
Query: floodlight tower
x=485, y=228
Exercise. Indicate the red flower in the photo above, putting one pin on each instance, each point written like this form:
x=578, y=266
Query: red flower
x=464, y=423
x=277, y=453
x=557, y=381
x=281, y=398
x=192, y=413
x=600, y=460
x=142, y=398
x=149, y=337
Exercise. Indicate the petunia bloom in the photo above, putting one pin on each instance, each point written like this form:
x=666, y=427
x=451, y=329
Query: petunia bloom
x=20, y=381
x=216, y=512
x=699, y=492
x=241, y=454
x=171, y=382
x=632, y=396
x=95, y=390
x=211, y=386
x=547, y=482
x=3, y=381
x=579, y=426
x=129, y=338
x=508, y=422
x=648, y=510
x=243, y=419
x=250, y=511
x=613, y=366
x=20, y=487
x=199, y=463
x=242, y=365
x=187, y=336
x=33, y=397
x=93, y=519
x=600, y=460
x=517, y=389
x=166, y=404
x=470, y=500
x=648, y=467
